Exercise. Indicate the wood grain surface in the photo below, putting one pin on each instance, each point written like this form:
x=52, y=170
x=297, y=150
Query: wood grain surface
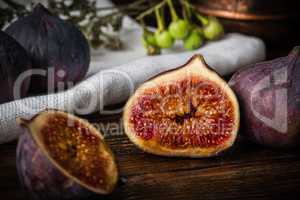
x=246, y=171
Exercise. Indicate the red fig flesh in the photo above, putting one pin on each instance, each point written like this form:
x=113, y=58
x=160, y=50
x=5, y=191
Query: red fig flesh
x=189, y=111
x=269, y=95
x=63, y=157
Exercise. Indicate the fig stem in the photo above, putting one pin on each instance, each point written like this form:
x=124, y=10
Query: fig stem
x=202, y=19
x=150, y=11
x=159, y=20
x=190, y=7
x=172, y=10
x=186, y=10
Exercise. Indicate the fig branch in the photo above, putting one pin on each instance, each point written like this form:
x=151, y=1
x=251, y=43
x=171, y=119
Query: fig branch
x=172, y=10
x=93, y=21
x=79, y=12
x=150, y=11
x=191, y=27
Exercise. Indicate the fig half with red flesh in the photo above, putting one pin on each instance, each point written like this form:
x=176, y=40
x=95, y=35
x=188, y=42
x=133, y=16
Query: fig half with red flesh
x=189, y=111
x=60, y=156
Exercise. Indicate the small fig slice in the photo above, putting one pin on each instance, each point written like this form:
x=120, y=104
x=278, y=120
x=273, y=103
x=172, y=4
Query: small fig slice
x=189, y=111
x=61, y=156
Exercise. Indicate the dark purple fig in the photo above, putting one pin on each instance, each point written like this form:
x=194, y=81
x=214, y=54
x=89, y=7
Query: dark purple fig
x=269, y=94
x=60, y=156
x=13, y=62
x=52, y=43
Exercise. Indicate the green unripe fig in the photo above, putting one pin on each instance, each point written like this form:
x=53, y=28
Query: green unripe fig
x=179, y=29
x=213, y=30
x=164, y=39
x=149, y=42
x=193, y=41
x=148, y=38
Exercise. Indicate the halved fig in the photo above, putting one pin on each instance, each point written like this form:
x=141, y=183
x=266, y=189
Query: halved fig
x=61, y=156
x=189, y=111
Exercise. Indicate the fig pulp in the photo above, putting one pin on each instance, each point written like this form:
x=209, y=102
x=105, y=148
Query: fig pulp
x=52, y=44
x=189, y=111
x=60, y=156
x=269, y=95
x=13, y=62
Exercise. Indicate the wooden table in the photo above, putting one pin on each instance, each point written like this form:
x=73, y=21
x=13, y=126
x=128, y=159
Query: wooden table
x=246, y=172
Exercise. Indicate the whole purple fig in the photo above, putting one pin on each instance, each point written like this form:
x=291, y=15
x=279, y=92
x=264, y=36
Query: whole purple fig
x=52, y=43
x=60, y=156
x=269, y=96
x=13, y=62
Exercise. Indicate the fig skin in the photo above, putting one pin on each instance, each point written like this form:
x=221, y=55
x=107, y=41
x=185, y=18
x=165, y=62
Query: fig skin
x=196, y=67
x=13, y=61
x=51, y=43
x=39, y=176
x=268, y=94
x=44, y=178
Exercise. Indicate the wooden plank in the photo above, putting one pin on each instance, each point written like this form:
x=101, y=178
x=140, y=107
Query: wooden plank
x=243, y=181
x=247, y=171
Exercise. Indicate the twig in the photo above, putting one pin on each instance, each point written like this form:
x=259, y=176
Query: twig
x=134, y=5
x=151, y=10
x=13, y=4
